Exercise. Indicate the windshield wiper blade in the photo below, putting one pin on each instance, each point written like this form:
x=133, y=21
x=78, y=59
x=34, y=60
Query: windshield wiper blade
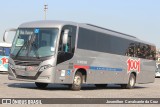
x=21, y=49
x=36, y=53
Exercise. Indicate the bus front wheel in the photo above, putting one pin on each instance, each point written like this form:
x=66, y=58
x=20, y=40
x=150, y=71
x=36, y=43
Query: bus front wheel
x=41, y=85
x=131, y=82
x=77, y=82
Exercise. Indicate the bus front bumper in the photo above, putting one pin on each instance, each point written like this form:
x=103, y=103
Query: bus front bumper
x=46, y=76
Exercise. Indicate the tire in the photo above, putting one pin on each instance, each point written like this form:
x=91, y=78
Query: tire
x=77, y=82
x=101, y=85
x=41, y=85
x=131, y=82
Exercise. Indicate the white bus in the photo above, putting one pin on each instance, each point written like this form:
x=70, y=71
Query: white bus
x=73, y=54
x=157, y=70
x=4, y=55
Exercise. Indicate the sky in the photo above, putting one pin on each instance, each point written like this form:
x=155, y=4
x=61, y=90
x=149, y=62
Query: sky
x=140, y=18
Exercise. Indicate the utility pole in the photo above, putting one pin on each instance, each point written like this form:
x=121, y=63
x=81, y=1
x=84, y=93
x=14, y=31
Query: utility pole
x=45, y=11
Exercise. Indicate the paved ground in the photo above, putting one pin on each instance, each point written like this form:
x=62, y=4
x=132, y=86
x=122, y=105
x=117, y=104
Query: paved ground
x=20, y=89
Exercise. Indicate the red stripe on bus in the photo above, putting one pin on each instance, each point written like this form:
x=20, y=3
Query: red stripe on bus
x=81, y=66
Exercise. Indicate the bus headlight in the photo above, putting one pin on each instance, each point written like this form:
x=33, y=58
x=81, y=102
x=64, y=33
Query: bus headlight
x=11, y=66
x=44, y=67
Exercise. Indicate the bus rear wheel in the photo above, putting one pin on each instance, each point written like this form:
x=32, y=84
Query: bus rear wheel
x=77, y=82
x=41, y=85
x=131, y=82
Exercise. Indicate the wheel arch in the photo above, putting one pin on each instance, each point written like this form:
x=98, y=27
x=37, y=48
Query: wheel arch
x=83, y=72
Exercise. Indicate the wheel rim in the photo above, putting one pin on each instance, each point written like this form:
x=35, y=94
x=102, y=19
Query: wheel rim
x=77, y=80
x=132, y=81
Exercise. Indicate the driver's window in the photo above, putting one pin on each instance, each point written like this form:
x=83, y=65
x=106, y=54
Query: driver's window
x=70, y=46
x=65, y=52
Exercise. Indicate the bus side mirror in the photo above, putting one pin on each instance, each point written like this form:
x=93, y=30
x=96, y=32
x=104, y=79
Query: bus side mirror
x=65, y=37
x=6, y=33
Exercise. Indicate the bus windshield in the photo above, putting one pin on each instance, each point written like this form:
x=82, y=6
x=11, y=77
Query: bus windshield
x=34, y=42
x=4, y=51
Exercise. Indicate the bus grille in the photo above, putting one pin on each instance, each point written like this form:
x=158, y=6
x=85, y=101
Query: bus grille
x=27, y=63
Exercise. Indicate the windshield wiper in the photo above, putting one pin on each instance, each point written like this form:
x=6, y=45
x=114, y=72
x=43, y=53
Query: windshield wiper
x=24, y=45
x=35, y=51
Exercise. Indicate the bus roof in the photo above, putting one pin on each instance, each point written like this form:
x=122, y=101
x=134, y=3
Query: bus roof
x=56, y=23
x=46, y=24
x=3, y=44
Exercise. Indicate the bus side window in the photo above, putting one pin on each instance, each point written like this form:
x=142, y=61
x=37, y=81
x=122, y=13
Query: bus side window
x=69, y=47
x=6, y=51
x=1, y=51
x=66, y=52
x=66, y=48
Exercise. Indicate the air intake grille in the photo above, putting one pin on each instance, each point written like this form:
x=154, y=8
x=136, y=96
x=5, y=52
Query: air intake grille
x=27, y=63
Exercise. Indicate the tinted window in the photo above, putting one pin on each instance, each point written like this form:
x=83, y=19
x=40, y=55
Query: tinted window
x=1, y=51
x=65, y=52
x=96, y=41
x=6, y=51
x=92, y=40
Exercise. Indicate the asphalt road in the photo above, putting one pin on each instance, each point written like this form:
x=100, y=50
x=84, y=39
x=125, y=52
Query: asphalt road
x=21, y=89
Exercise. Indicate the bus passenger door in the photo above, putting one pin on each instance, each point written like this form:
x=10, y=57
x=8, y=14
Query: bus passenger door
x=65, y=54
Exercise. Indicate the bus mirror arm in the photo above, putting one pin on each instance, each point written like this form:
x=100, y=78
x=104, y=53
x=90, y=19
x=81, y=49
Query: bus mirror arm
x=6, y=33
x=65, y=36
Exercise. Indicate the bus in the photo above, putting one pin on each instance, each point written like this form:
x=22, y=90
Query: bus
x=157, y=74
x=4, y=55
x=71, y=53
